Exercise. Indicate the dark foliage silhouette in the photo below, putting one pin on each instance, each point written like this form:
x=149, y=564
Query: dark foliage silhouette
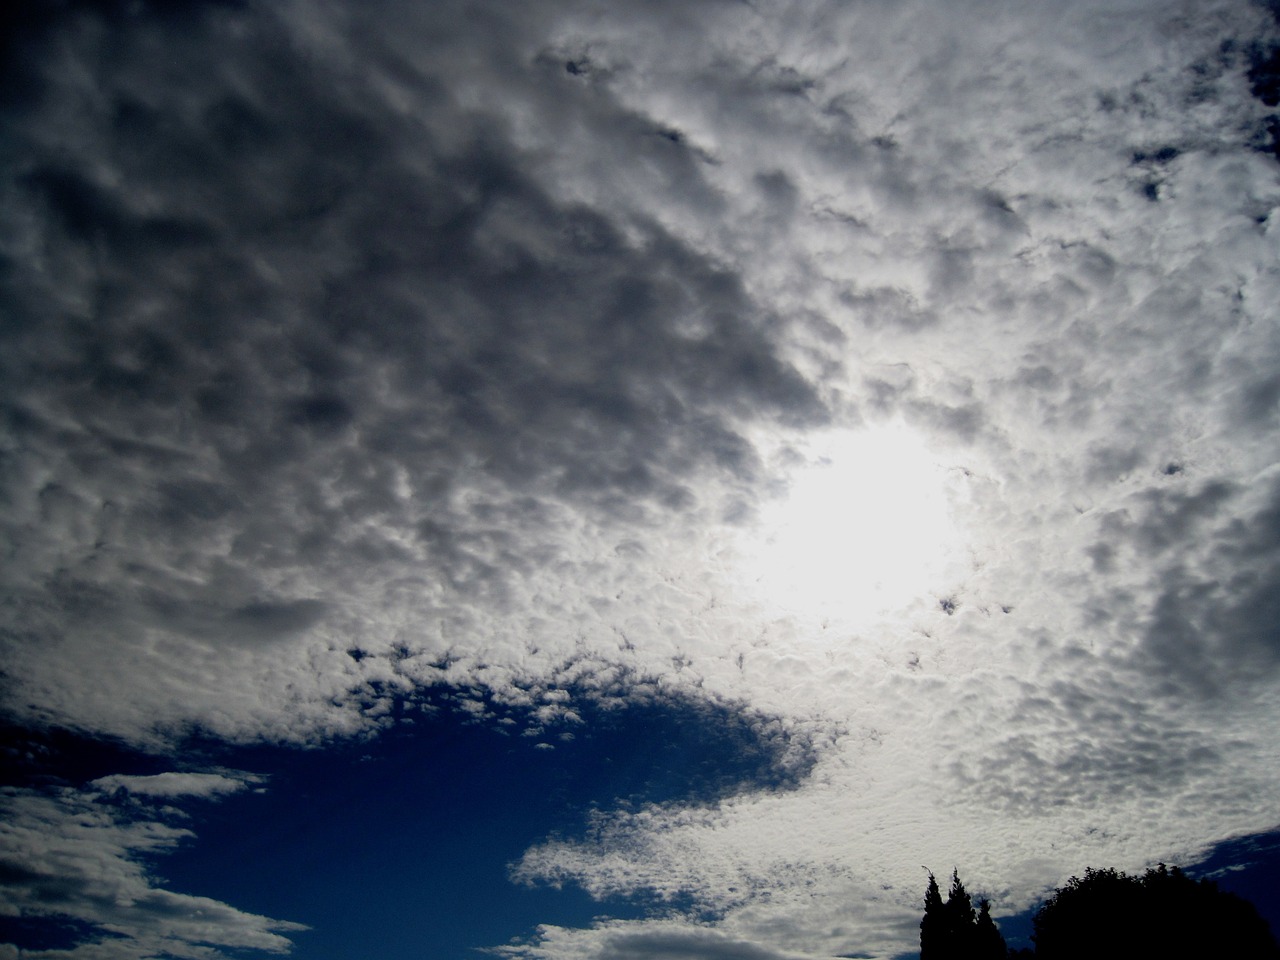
x=988, y=944
x=1105, y=915
x=953, y=930
x=1164, y=913
x=933, y=933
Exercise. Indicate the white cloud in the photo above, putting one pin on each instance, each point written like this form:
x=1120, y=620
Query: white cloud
x=174, y=784
x=653, y=940
x=66, y=855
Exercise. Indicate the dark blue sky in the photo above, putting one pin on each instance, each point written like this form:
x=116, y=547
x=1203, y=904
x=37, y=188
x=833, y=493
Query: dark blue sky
x=399, y=844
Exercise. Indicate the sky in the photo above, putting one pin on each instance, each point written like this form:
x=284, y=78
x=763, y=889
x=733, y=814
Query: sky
x=645, y=481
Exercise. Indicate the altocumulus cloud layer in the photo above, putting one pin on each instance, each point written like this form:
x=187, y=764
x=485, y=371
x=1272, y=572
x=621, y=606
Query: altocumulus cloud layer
x=351, y=349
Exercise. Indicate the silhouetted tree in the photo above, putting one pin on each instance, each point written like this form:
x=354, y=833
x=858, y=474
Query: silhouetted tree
x=1108, y=915
x=988, y=944
x=933, y=925
x=953, y=931
x=961, y=919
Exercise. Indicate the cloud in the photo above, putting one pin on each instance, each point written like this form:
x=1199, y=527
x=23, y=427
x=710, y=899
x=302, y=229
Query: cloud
x=641, y=941
x=1213, y=622
x=174, y=784
x=359, y=351
x=66, y=855
x=419, y=386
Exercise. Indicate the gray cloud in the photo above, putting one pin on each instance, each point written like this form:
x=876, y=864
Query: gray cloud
x=275, y=330
x=1211, y=550
x=683, y=945
x=650, y=941
x=1215, y=624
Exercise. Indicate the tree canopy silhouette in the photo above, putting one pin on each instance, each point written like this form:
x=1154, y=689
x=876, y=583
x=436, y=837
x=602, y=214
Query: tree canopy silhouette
x=953, y=931
x=1105, y=915
x=1164, y=913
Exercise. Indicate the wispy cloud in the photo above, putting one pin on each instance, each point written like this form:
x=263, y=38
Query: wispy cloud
x=69, y=855
x=649, y=941
x=174, y=784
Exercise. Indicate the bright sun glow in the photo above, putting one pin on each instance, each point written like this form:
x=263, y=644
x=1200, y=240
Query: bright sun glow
x=864, y=528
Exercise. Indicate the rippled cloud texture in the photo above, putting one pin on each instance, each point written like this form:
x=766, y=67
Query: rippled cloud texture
x=352, y=350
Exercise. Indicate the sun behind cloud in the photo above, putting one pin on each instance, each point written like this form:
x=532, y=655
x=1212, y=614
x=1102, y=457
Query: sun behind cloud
x=864, y=528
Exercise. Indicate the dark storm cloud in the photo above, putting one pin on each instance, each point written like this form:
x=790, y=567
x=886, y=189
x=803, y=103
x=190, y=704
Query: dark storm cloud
x=262, y=313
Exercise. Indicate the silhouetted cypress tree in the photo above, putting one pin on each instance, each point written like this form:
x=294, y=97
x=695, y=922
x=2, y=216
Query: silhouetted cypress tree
x=953, y=931
x=933, y=925
x=988, y=944
x=961, y=920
